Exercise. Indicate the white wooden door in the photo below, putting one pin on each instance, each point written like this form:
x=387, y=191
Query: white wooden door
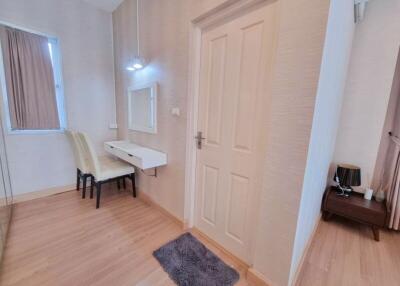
x=236, y=58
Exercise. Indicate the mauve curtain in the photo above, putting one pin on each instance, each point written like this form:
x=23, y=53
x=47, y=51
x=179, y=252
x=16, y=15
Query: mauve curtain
x=29, y=79
x=392, y=186
x=391, y=178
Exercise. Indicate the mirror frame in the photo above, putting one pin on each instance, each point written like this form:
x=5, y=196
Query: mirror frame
x=153, y=86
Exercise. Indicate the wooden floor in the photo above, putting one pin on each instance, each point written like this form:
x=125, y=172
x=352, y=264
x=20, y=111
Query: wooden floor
x=345, y=254
x=63, y=240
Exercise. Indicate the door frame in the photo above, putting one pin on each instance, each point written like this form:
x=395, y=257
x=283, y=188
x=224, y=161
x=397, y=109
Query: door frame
x=227, y=10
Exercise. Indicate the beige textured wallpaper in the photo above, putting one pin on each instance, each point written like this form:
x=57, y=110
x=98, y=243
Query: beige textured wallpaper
x=165, y=42
x=294, y=88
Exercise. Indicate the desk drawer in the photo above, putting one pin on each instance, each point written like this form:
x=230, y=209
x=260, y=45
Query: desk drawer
x=124, y=156
x=109, y=149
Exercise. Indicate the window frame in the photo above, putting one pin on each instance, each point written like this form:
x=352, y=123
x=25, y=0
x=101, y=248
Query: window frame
x=59, y=88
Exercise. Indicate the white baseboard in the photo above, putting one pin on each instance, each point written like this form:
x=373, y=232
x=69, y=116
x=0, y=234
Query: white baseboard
x=305, y=252
x=41, y=194
x=148, y=200
x=255, y=278
x=141, y=195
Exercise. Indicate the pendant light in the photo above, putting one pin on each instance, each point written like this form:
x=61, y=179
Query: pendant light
x=138, y=62
x=359, y=10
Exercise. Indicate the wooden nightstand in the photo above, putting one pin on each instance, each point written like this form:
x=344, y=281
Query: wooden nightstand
x=355, y=208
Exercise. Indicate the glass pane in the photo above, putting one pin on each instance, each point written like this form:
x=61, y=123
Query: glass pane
x=142, y=108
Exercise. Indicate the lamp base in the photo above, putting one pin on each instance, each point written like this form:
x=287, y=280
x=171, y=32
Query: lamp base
x=344, y=191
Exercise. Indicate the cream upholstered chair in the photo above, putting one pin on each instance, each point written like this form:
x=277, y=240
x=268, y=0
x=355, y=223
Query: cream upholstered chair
x=82, y=166
x=105, y=171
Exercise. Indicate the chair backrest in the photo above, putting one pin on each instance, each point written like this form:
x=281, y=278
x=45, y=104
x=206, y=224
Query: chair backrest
x=90, y=153
x=79, y=156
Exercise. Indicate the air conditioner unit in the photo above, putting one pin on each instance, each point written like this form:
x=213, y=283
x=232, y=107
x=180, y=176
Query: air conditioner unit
x=359, y=10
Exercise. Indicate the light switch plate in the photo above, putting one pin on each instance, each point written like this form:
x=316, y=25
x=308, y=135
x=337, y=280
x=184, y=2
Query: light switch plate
x=113, y=126
x=176, y=111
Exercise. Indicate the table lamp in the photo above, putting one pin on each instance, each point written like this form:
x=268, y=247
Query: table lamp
x=347, y=176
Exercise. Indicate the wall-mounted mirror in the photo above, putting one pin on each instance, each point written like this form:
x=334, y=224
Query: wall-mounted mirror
x=5, y=194
x=142, y=108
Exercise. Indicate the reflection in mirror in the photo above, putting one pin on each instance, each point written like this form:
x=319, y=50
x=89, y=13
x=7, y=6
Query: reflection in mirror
x=5, y=195
x=3, y=216
x=142, y=108
x=5, y=208
x=2, y=245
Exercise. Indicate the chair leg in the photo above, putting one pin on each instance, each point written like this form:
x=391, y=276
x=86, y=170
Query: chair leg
x=133, y=185
x=92, y=182
x=123, y=182
x=118, y=184
x=84, y=186
x=78, y=179
x=98, y=187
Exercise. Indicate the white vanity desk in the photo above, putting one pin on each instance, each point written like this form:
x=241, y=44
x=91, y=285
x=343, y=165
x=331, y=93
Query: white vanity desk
x=142, y=117
x=139, y=156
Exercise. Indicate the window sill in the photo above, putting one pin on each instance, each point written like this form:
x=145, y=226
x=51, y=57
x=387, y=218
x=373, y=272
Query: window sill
x=35, y=132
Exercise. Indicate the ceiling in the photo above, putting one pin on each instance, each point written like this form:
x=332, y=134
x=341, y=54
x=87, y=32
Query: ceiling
x=106, y=5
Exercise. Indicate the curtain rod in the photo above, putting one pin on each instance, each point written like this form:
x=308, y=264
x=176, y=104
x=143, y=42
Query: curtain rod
x=19, y=27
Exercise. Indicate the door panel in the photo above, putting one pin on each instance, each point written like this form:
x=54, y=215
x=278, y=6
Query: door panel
x=245, y=109
x=237, y=205
x=210, y=188
x=235, y=63
x=217, y=57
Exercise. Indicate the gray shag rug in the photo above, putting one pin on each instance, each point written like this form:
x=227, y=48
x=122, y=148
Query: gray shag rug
x=189, y=263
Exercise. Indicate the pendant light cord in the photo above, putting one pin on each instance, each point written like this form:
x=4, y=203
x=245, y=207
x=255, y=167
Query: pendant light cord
x=137, y=28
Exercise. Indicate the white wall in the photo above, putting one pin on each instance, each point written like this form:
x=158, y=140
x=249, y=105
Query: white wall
x=373, y=61
x=40, y=162
x=336, y=57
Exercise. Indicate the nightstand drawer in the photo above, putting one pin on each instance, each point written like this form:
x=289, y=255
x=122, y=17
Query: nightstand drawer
x=367, y=215
x=355, y=207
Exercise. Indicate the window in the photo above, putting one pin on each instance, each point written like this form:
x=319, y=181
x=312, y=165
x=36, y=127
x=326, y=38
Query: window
x=31, y=85
x=55, y=55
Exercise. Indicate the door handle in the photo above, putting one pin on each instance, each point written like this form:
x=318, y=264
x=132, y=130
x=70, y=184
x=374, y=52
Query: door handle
x=199, y=138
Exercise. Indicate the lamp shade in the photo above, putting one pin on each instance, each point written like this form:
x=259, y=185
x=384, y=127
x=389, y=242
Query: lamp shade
x=349, y=175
